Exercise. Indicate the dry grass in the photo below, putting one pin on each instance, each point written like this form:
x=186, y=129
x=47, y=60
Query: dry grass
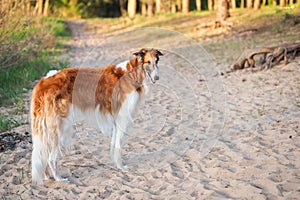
x=28, y=49
x=22, y=38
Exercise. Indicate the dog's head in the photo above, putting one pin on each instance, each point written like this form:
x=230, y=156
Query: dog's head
x=149, y=59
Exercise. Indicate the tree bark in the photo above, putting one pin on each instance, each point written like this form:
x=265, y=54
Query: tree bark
x=40, y=7
x=179, y=5
x=144, y=8
x=131, y=8
x=2, y=8
x=6, y=5
x=28, y=6
x=185, y=6
x=210, y=5
x=242, y=3
x=46, y=8
x=257, y=4
x=158, y=5
x=122, y=7
x=150, y=8
x=215, y=3
x=35, y=8
x=223, y=10
x=198, y=5
x=173, y=6
x=233, y=4
x=282, y=3
x=249, y=3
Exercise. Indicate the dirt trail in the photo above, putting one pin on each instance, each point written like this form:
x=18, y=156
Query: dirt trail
x=198, y=135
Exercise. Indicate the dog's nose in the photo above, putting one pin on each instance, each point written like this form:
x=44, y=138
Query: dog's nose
x=156, y=78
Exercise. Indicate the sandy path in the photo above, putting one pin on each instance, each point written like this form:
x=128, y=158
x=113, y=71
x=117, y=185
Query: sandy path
x=197, y=135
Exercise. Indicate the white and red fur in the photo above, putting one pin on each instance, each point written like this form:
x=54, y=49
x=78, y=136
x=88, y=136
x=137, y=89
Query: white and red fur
x=104, y=96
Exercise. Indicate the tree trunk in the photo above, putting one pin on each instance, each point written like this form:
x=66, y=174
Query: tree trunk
x=198, y=5
x=249, y=3
x=185, y=6
x=179, y=5
x=2, y=8
x=233, y=4
x=131, y=8
x=282, y=3
x=144, y=8
x=35, y=8
x=150, y=8
x=215, y=3
x=22, y=5
x=242, y=3
x=223, y=10
x=6, y=5
x=158, y=5
x=257, y=4
x=274, y=3
x=210, y=5
x=40, y=7
x=46, y=8
x=10, y=5
x=173, y=6
x=122, y=7
x=28, y=6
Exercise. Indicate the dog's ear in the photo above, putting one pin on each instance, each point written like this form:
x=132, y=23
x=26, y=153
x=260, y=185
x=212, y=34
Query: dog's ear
x=140, y=53
x=132, y=64
x=158, y=53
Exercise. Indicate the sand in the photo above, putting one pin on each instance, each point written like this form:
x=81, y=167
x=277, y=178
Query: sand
x=196, y=135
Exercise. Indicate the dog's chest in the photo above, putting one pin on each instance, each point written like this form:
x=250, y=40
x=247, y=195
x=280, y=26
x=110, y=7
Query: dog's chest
x=129, y=104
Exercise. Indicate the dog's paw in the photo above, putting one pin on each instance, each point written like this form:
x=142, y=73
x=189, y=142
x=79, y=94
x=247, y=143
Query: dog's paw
x=122, y=167
x=66, y=180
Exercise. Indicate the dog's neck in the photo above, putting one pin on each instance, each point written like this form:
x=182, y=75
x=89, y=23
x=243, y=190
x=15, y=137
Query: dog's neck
x=136, y=72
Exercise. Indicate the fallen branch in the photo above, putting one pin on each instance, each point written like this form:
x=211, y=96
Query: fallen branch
x=269, y=56
x=215, y=25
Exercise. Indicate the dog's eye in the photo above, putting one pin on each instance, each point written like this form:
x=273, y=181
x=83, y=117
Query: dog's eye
x=148, y=62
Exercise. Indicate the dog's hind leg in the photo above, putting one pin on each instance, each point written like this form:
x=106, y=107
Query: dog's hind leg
x=38, y=160
x=52, y=164
x=63, y=141
x=113, y=143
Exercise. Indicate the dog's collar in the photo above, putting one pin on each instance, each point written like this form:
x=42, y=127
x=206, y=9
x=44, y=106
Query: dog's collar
x=133, y=73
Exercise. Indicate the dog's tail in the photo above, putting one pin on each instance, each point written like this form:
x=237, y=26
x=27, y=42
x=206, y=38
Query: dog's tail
x=44, y=137
x=38, y=160
x=39, y=152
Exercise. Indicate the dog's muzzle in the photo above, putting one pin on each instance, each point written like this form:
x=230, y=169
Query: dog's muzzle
x=154, y=79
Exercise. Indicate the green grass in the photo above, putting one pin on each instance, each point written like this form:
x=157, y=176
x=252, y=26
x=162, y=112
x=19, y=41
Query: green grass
x=15, y=81
x=58, y=28
x=6, y=124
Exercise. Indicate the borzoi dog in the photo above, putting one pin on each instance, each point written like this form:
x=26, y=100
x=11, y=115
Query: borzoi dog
x=104, y=96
